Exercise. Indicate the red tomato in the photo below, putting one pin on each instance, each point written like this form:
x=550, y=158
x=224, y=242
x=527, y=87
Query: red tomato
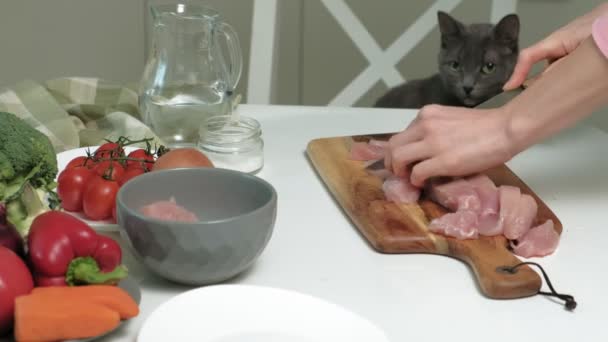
x=81, y=161
x=130, y=173
x=144, y=156
x=109, y=150
x=70, y=187
x=99, y=198
x=112, y=170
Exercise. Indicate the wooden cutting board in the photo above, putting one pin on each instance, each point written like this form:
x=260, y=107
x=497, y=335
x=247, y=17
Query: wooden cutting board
x=399, y=228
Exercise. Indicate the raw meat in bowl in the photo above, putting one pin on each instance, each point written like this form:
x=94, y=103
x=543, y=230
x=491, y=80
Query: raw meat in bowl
x=168, y=211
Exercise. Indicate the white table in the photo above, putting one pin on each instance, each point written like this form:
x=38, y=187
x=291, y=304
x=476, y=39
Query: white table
x=316, y=250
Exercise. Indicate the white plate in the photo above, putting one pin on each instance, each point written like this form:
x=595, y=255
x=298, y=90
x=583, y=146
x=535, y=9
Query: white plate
x=244, y=313
x=63, y=159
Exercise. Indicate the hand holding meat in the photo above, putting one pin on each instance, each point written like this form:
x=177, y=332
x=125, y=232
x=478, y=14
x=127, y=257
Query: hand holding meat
x=452, y=141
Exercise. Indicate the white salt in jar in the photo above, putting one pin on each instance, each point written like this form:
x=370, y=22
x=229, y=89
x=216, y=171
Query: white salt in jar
x=233, y=143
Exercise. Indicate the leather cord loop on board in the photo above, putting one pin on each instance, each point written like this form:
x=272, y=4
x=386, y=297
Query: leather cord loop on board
x=570, y=303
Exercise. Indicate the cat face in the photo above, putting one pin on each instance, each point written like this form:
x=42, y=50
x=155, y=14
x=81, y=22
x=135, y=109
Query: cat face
x=476, y=60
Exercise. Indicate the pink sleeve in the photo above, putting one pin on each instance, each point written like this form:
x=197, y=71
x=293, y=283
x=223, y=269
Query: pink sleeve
x=599, y=32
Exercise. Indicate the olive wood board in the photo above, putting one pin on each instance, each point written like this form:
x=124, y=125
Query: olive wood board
x=402, y=228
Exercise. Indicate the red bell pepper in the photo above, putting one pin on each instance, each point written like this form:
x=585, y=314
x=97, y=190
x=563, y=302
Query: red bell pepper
x=64, y=250
x=15, y=280
x=9, y=237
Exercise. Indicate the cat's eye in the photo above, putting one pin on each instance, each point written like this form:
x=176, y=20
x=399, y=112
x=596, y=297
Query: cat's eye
x=488, y=68
x=454, y=66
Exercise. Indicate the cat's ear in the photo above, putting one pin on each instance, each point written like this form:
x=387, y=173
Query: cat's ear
x=448, y=26
x=507, y=29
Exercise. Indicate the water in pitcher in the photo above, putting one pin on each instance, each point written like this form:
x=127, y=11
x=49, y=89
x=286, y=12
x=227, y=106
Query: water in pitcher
x=176, y=117
x=189, y=71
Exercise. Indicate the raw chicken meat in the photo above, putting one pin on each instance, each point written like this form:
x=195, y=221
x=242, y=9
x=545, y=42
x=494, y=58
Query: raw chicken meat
x=168, y=211
x=457, y=194
x=380, y=172
x=461, y=225
x=396, y=189
x=509, y=197
x=400, y=190
x=539, y=241
x=379, y=143
x=477, y=205
x=487, y=192
x=489, y=223
x=523, y=219
x=366, y=151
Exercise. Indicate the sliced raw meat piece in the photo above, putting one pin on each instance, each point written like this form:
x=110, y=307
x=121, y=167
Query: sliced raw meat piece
x=379, y=172
x=364, y=151
x=168, y=211
x=460, y=225
x=539, y=241
x=523, y=219
x=509, y=197
x=380, y=143
x=382, y=174
x=400, y=190
x=489, y=223
x=456, y=194
x=487, y=192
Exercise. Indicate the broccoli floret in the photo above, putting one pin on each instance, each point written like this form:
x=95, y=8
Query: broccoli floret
x=28, y=167
x=22, y=211
x=25, y=148
x=6, y=168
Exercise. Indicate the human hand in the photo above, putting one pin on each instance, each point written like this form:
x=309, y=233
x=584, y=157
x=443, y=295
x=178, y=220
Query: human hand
x=450, y=141
x=557, y=45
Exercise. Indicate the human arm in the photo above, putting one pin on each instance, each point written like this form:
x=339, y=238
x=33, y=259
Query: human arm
x=454, y=141
x=571, y=91
x=555, y=46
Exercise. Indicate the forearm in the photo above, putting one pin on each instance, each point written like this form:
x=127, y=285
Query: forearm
x=573, y=88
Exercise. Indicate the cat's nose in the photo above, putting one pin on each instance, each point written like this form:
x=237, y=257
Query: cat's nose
x=467, y=90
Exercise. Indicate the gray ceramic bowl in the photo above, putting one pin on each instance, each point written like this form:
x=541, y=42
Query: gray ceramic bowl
x=237, y=212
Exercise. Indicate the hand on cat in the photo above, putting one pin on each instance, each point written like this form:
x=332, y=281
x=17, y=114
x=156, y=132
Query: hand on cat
x=450, y=141
x=557, y=45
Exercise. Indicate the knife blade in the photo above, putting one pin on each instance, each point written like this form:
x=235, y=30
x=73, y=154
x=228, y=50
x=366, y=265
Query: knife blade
x=493, y=102
x=506, y=96
x=500, y=99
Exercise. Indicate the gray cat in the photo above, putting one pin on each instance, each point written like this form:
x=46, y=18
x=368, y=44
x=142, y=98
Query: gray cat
x=475, y=61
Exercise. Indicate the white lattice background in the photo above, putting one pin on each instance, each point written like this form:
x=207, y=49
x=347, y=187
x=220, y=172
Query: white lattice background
x=381, y=63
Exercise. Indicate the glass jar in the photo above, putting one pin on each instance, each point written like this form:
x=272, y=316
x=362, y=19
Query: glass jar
x=234, y=144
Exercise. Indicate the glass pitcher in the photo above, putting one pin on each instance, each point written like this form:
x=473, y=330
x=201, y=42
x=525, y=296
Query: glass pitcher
x=188, y=77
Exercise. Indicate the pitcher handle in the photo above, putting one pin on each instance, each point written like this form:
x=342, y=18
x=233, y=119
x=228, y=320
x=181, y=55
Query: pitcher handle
x=236, y=56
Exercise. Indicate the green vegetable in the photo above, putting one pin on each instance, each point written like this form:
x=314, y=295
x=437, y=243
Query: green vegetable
x=84, y=270
x=6, y=168
x=28, y=167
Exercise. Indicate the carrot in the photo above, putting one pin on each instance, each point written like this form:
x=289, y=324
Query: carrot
x=44, y=319
x=112, y=297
